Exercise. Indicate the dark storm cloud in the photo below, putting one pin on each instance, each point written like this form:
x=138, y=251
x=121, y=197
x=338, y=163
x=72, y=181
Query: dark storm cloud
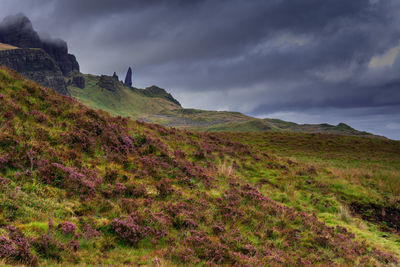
x=325, y=61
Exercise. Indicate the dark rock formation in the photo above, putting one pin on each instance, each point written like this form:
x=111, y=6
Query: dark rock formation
x=128, y=78
x=155, y=91
x=36, y=65
x=17, y=30
x=115, y=76
x=78, y=81
x=58, y=50
x=109, y=83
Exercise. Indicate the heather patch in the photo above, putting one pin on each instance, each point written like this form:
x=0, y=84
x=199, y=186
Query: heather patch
x=136, y=193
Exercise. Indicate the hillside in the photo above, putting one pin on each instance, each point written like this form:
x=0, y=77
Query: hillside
x=82, y=187
x=155, y=105
x=119, y=99
x=225, y=121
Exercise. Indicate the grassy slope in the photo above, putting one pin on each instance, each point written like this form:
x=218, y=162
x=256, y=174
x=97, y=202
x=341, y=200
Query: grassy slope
x=351, y=171
x=124, y=102
x=144, y=194
x=7, y=47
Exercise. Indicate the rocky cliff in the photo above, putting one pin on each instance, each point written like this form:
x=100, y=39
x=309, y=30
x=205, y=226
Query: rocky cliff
x=37, y=65
x=17, y=30
x=58, y=50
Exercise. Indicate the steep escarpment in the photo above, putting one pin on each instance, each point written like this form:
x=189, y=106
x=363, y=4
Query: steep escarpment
x=44, y=60
x=17, y=30
x=36, y=65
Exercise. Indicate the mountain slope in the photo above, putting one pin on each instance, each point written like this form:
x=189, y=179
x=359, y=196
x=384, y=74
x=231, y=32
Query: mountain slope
x=121, y=100
x=155, y=105
x=123, y=192
x=225, y=121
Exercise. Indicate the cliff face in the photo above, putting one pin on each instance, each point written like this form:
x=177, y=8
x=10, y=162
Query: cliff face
x=58, y=50
x=36, y=65
x=17, y=30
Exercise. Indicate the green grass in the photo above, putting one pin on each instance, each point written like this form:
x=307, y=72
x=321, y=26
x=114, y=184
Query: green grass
x=124, y=102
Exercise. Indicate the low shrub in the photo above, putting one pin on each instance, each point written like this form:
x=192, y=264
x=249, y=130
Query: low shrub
x=129, y=229
x=67, y=228
x=49, y=247
x=16, y=248
x=164, y=188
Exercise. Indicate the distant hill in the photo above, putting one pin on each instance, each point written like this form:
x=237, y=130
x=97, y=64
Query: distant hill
x=155, y=105
x=217, y=121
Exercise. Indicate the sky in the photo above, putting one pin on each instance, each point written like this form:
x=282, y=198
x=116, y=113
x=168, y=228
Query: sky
x=306, y=61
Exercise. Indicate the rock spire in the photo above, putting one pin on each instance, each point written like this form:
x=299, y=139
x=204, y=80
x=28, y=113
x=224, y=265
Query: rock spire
x=128, y=78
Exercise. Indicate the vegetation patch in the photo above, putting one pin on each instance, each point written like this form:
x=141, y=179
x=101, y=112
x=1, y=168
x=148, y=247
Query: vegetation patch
x=81, y=187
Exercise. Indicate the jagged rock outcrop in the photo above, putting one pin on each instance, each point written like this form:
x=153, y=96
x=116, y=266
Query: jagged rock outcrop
x=109, y=83
x=128, y=78
x=36, y=65
x=115, y=76
x=17, y=30
x=155, y=91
